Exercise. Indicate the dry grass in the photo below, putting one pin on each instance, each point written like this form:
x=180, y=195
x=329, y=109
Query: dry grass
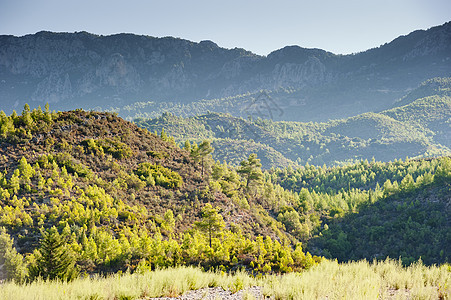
x=168, y=282
x=363, y=280
x=328, y=280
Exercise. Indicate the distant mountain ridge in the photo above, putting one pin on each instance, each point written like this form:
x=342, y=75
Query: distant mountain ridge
x=420, y=128
x=85, y=70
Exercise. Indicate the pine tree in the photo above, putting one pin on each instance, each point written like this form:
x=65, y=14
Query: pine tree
x=25, y=169
x=168, y=221
x=201, y=152
x=188, y=146
x=27, y=119
x=163, y=135
x=212, y=222
x=251, y=169
x=14, y=182
x=47, y=114
x=443, y=173
x=53, y=259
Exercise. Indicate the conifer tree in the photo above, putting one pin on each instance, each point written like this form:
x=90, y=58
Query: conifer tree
x=212, y=222
x=187, y=146
x=201, y=152
x=13, y=266
x=27, y=116
x=168, y=221
x=47, y=114
x=163, y=135
x=14, y=115
x=25, y=169
x=251, y=169
x=14, y=182
x=53, y=259
x=443, y=173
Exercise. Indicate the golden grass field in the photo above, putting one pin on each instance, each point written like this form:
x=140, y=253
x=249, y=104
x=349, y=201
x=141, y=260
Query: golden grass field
x=328, y=280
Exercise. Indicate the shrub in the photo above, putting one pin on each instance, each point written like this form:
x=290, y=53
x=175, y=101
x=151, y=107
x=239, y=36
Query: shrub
x=116, y=148
x=13, y=267
x=163, y=176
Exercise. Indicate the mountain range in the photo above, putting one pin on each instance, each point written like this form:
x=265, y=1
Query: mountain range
x=121, y=196
x=221, y=158
x=124, y=71
x=418, y=125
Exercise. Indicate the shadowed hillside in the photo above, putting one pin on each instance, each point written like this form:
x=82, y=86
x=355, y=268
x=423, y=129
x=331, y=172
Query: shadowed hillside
x=413, y=223
x=418, y=129
x=121, y=72
x=113, y=196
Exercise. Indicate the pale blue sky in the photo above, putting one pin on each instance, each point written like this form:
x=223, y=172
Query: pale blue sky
x=261, y=26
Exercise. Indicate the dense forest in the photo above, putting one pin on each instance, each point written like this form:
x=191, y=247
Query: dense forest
x=417, y=126
x=376, y=210
x=119, y=197
x=106, y=195
x=181, y=169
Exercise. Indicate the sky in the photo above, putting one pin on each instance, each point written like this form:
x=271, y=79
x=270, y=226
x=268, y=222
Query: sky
x=261, y=26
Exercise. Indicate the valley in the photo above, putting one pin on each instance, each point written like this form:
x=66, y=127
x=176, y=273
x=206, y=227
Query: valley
x=134, y=167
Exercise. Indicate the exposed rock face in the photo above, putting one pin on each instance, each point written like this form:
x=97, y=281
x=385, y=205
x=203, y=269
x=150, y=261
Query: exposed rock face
x=313, y=71
x=86, y=70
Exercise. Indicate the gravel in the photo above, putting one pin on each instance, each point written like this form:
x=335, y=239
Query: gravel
x=254, y=292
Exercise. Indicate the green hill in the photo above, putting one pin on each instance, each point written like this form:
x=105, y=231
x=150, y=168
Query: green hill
x=430, y=115
x=119, y=195
x=413, y=223
x=233, y=152
x=374, y=126
x=418, y=129
x=114, y=197
x=376, y=210
x=435, y=86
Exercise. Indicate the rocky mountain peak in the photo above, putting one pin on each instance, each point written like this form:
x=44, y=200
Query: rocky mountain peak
x=91, y=70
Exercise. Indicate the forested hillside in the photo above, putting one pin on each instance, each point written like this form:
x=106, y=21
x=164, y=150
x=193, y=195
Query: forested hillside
x=411, y=223
x=137, y=75
x=420, y=128
x=376, y=210
x=109, y=196
x=117, y=196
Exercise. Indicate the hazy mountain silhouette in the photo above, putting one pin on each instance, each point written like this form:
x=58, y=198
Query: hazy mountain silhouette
x=72, y=70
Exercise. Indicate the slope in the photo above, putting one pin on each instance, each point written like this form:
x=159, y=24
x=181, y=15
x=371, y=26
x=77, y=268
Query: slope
x=435, y=86
x=114, y=72
x=412, y=223
x=123, y=198
x=120, y=196
x=420, y=128
x=375, y=210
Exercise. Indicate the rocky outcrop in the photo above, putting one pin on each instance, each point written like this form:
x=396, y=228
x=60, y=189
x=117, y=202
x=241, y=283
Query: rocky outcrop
x=91, y=70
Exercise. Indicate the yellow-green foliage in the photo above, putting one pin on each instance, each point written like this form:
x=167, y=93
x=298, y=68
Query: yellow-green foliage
x=157, y=154
x=362, y=280
x=169, y=282
x=328, y=280
x=102, y=230
x=101, y=147
x=113, y=218
x=157, y=174
x=66, y=160
x=18, y=129
x=12, y=265
x=225, y=179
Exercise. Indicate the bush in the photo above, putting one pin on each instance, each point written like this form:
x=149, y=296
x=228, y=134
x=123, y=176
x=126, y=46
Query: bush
x=116, y=148
x=13, y=266
x=163, y=176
